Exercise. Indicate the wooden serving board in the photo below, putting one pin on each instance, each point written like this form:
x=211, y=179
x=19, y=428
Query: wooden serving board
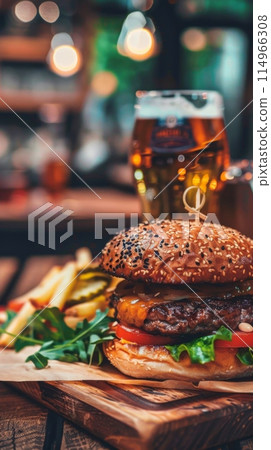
x=133, y=417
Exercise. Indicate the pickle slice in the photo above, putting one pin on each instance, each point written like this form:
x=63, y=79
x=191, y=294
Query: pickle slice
x=90, y=274
x=86, y=290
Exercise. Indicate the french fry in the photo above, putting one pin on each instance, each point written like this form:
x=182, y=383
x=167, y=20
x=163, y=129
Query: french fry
x=87, y=309
x=17, y=324
x=72, y=321
x=64, y=288
x=83, y=257
x=46, y=290
x=41, y=294
x=51, y=274
x=3, y=316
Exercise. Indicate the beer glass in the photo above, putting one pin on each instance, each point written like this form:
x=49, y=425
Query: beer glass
x=178, y=141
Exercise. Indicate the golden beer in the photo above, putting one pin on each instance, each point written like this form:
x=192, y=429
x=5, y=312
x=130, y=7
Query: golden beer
x=178, y=141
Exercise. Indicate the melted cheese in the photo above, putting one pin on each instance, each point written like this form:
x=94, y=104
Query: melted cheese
x=134, y=311
x=134, y=304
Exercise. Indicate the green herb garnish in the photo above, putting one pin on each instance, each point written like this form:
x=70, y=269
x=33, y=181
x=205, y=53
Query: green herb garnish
x=60, y=342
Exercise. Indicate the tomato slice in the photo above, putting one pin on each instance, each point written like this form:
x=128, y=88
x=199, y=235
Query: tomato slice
x=239, y=339
x=138, y=336
x=15, y=305
x=132, y=334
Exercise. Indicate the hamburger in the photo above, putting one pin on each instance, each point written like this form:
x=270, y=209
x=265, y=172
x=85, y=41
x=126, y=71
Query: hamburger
x=184, y=307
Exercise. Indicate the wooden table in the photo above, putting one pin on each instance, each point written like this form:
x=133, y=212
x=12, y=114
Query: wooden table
x=24, y=423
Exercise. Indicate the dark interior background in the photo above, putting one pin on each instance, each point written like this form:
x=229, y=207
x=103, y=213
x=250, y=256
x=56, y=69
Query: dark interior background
x=88, y=116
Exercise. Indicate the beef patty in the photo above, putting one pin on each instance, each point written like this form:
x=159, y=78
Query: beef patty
x=192, y=316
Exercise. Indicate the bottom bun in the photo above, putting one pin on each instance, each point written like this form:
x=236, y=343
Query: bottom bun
x=150, y=361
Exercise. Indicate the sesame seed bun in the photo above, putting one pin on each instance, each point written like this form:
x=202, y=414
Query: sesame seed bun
x=148, y=361
x=166, y=252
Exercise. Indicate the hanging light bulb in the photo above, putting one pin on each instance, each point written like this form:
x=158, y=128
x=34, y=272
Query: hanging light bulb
x=49, y=11
x=139, y=44
x=65, y=60
x=25, y=11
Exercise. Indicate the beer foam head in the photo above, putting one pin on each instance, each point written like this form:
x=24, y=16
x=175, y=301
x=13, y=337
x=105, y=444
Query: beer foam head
x=181, y=104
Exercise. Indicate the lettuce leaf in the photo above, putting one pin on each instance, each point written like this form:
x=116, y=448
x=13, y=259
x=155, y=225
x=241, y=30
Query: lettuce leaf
x=245, y=355
x=200, y=350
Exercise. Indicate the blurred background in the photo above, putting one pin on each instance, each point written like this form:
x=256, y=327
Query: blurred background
x=70, y=70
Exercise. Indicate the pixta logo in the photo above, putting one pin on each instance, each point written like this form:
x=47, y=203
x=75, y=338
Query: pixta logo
x=47, y=213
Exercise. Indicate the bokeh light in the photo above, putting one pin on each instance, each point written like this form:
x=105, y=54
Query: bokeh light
x=141, y=187
x=138, y=174
x=134, y=20
x=61, y=39
x=248, y=176
x=136, y=39
x=25, y=11
x=189, y=7
x=136, y=159
x=65, y=60
x=194, y=39
x=196, y=180
x=143, y=5
x=213, y=184
x=181, y=174
x=205, y=179
x=104, y=83
x=49, y=11
x=139, y=44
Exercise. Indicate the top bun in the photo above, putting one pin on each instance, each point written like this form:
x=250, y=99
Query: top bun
x=168, y=252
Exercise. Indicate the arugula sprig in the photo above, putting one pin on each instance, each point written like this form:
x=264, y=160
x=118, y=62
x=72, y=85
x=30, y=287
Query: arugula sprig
x=60, y=342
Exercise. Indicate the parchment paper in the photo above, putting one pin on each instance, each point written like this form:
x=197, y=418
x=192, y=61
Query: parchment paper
x=14, y=369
